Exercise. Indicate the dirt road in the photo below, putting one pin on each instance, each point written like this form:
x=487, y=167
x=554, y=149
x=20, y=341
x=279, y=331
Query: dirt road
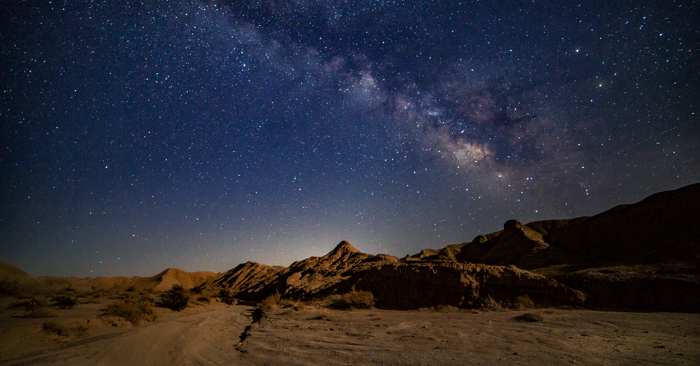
x=313, y=335
x=206, y=336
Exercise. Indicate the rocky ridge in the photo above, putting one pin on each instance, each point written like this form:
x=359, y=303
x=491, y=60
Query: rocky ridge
x=643, y=256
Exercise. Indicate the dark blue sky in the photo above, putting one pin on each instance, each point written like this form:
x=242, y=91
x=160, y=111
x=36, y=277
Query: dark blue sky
x=202, y=134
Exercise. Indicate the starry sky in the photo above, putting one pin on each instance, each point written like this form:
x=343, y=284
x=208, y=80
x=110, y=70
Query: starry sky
x=138, y=136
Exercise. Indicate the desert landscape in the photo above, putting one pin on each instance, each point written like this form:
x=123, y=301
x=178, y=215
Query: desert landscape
x=621, y=287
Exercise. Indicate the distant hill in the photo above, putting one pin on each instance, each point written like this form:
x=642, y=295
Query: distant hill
x=14, y=280
x=160, y=282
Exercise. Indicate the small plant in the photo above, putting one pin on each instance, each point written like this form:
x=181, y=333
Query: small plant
x=524, y=302
x=64, y=302
x=55, y=327
x=227, y=296
x=354, y=300
x=175, y=299
x=197, y=290
x=286, y=303
x=133, y=310
x=530, y=318
x=130, y=289
x=42, y=313
x=204, y=300
x=269, y=302
x=83, y=331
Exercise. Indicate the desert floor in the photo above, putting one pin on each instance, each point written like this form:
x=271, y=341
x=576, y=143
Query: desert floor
x=312, y=335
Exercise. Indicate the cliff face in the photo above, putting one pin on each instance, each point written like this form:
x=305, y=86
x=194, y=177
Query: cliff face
x=661, y=228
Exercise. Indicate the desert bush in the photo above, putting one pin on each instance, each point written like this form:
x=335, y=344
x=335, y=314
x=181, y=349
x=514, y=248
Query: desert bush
x=55, y=327
x=227, y=296
x=91, y=300
x=286, y=303
x=9, y=287
x=204, y=300
x=130, y=289
x=269, y=302
x=64, y=302
x=175, y=299
x=133, y=310
x=322, y=316
x=354, y=300
x=524, y=302
x=83, y=331
x=530, y=318
x=197, y=290
x=42, y=313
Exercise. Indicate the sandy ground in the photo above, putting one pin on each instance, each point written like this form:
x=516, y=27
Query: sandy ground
x=211, y=335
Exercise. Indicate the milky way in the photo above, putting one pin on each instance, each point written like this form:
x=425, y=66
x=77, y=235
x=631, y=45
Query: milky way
x=200, y=135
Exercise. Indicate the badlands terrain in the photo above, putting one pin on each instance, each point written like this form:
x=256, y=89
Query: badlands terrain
x=620, y=287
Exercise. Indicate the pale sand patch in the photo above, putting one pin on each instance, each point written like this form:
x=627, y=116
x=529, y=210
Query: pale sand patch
x=317, y=336
x=463, y=337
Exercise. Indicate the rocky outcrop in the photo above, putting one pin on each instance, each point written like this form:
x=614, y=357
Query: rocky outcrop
x=660, y=234
x=549, y=261
x=663, y=227
x=665, y=287
x=172, y=276
x=411, y=285
x=311, y=276
x=414, y=285
x=247, y=277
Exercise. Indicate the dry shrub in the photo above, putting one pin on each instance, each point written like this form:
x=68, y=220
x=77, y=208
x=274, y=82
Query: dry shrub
x=204, y=299
x=55, y=327
x=286, y=303
x=269, y=302
x=83, y=331
x=530, y=318
x=10, y=286
x=322, y=316
x=175, y=299
x=64, y=302
x=227, y=296
x=18, y=304
x=524, y=302
x=133, y=310
x=488, y=303
x=299, y=307
x=42, y=313
x=91, y=300
x=354, y=300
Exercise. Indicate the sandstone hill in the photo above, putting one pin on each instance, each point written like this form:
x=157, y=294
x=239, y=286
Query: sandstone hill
x=643, y=256
x=400, y=284
x=14, y=280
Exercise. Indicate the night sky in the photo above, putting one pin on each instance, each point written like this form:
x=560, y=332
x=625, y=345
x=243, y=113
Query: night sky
x=201, y=134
